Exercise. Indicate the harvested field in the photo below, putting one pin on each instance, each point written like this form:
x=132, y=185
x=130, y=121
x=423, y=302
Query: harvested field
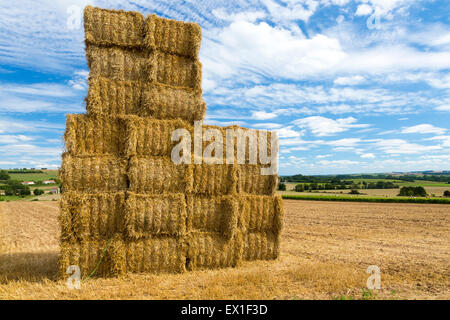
x=325, y=251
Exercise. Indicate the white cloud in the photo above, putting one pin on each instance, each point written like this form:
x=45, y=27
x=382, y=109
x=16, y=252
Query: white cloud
x=321, y=126
x=353, y=80
x=338, y=163
x=445, y=140
x=244, y=48
x=347, y=142
x=80, y=80
x=363, y=10
x=292, y=10
x=399, y=146
x=445, y=107
x=367, y=156
x=250, y=16
x=262, y=115
x=11, y=125
x=287, y=132
x=8, y=139
x=423, y=129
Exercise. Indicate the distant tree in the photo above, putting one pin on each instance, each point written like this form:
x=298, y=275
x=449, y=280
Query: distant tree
x=413, y=192
x=38, y=192
x=24, y=192
x=282, y=187
x=354, y=191
x=447, y=193
x=4, y=175
x=299, y=188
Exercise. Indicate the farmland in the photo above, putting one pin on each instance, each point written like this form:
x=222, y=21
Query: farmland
x=46, y=175
x=434, y=189
x=325, y=250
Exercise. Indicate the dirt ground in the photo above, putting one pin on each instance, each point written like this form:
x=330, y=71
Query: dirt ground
x=326, y=249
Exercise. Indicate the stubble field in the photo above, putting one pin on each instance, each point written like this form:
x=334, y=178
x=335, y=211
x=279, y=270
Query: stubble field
x=325, y=251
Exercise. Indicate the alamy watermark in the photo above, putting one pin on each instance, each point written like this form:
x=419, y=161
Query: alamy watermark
x=374, y=281
x=235, y=144
x=74, y=280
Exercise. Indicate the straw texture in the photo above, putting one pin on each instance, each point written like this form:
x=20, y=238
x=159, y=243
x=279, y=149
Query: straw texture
x=172, y=36
x=113, y=27
x=155, y=215
x=126, y=206
x=85, y=217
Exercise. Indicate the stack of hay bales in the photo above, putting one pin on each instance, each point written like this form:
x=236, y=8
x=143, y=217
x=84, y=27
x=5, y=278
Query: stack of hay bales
x=126, y=206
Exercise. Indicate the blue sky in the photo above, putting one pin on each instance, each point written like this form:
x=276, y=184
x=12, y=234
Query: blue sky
x=350, y=86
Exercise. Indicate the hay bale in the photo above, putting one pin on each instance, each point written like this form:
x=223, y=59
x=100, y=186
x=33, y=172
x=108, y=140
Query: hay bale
x=251, y=181
x=151, y=215
x=88, y=256
x=155, y=255
x=233, y=136
x=91, y=216
x=172, y=36
x=173, y=70
x=212, y=214
x=168, y=102
x=260, y=213
x=113, y=27
x=94, y=135
x=217, y=179
x=151, y=137
x=113, y=97
x=117, y=64
x=207, y=250
x=261, y=246
x=93, y=174
x=158, y=175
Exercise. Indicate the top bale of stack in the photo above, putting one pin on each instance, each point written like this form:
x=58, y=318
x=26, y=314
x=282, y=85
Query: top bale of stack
x=129, y=29
x=171, y=36
x=113, y=27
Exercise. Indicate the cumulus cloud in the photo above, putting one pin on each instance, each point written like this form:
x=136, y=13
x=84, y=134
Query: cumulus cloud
x=353, y=80
x=363, y=10
x=400, y=146
x=262, y=115
x=423, y=129
x=367, y=156
x=321, y=126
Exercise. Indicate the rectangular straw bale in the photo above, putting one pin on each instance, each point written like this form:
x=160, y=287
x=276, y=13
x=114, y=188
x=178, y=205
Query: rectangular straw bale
x=158, y=175
x=172, y=36
x=261, y=246
x=208, y=250
x=214, y=179
x=151, y=137
x=173, y=70
x=260, y=213
x=113, y=97
x=117, y=64
x=88, y=254
x=212, y=214
x=233, y=131
x=91, y=216
x=93, y=174
x=251, y=180
x=155, y=255
x=150, y=215
x=94, y=135
x=168, y=102
x=113, y=27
